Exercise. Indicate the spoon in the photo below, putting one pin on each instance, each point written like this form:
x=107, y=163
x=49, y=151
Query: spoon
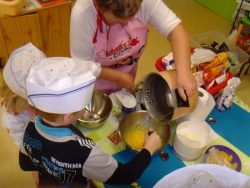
x=211, y=120
x=93, y=116
x=164, y=155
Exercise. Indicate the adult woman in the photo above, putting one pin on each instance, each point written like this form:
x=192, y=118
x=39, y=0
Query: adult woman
x=114, y=33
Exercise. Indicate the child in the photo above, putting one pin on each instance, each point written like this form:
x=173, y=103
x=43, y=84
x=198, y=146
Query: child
x=15, y=108
x=59, y=89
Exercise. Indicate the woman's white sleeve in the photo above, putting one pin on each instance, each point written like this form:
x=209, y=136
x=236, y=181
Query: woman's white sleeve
x=159, y=16
x=82, y=30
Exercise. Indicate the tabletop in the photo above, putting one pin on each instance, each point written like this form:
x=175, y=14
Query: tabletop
x=232, y=130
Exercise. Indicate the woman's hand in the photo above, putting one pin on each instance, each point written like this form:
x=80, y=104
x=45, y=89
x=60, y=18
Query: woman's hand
x=127, y=81
x=186, y=83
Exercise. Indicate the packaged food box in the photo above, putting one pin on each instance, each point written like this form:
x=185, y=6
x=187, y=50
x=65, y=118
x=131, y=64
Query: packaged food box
x=11, y=7
x=216, y=36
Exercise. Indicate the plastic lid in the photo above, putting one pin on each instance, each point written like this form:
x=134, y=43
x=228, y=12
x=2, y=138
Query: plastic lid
x=129, y=102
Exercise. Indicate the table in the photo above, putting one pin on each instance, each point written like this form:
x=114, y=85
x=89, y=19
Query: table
x=232, y=129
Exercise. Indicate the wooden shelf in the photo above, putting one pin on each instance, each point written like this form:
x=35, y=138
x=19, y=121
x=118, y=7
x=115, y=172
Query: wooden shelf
x=46, y=27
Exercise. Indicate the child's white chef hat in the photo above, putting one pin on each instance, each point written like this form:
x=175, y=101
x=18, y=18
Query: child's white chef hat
x=18, y=65
x=60, y=85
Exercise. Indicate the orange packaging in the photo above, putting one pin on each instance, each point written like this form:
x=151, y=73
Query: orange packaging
x=216, y=68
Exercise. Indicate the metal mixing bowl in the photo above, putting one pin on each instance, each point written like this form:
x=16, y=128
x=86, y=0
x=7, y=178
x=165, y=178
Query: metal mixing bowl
x=97, y=111
x=146, y=121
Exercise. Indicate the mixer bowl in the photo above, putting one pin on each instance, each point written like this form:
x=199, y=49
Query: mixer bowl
x=142, y=120
x=97, y=111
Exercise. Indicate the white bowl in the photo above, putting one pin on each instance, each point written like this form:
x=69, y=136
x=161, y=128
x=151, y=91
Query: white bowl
x=191, y=139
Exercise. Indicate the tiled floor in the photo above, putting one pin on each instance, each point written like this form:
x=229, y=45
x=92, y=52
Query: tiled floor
x=196, y=19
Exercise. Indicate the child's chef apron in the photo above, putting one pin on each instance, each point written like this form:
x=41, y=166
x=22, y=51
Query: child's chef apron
x=119, y=48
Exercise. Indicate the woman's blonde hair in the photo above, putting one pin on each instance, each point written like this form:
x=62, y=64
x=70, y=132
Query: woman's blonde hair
x=123, y=9
x=12, y=102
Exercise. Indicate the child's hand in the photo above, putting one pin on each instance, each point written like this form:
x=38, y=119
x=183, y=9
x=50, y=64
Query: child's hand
x=127, y=81
x=152, y=142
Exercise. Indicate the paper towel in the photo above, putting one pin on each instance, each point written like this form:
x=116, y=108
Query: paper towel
x=204, y=106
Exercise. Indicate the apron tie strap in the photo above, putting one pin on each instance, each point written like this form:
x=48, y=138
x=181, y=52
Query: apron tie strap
x=98, y=25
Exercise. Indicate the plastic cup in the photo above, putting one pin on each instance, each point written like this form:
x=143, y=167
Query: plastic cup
x=128, y=105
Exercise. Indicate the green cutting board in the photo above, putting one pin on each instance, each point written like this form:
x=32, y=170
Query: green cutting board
x=224, y=8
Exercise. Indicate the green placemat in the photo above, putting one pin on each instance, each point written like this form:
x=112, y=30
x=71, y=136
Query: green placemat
x=100, y=136
x=241, y=103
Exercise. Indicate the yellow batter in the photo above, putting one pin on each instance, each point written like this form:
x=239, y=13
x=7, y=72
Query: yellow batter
x=134, y=136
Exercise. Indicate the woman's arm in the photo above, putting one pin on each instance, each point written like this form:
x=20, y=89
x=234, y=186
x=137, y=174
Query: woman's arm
x=180, y=43
x=82, y=30
x=169, y=25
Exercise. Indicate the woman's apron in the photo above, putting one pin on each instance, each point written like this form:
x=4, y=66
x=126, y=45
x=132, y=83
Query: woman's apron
x=120, y=48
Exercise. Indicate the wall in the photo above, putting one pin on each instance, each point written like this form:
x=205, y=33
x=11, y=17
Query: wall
x=224, y=8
